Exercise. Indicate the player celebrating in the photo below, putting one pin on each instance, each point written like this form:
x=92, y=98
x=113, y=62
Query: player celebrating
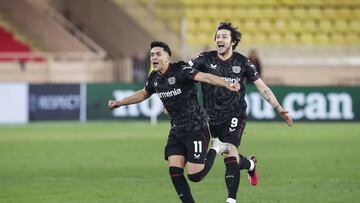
x=188, y=138
x=227, y=110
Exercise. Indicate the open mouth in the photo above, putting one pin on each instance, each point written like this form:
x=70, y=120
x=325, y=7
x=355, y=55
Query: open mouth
x=221, y=46
x=155, y=63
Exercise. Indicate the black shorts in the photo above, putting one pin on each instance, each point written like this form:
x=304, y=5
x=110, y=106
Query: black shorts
x=229, y=131
x=192, y=145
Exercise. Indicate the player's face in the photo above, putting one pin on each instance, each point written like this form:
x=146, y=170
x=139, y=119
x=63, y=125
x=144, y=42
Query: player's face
x=223, y=42
x=159, y=59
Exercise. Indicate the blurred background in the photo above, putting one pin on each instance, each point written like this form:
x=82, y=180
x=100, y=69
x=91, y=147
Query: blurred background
x=103, y=45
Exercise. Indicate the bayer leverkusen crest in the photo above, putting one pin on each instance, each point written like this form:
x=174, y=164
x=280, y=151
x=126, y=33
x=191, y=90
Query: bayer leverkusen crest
x=171, y=80
x=236, y=69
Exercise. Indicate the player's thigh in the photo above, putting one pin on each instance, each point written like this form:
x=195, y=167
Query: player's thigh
x=174, y=146
x=197, y=146
x=194, y=168
x=176, y=161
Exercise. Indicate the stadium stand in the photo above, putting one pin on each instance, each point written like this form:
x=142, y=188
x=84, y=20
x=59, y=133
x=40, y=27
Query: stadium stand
x=290, y=35
x=276, y=16
x=322, y=34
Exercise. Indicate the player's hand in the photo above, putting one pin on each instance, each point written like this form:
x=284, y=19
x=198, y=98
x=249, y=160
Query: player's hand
x=113, y=104
x=287, y=118
x=235, y=87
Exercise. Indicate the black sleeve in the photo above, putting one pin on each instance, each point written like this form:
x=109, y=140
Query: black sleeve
x=198, y=62
x=188, y=72
x=250, y=71
x=149, y=86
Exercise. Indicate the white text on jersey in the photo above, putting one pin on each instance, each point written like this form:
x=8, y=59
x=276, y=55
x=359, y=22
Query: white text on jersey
x=171, y=93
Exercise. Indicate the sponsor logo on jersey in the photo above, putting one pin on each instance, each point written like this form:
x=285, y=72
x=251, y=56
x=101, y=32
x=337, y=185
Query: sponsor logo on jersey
x=236, y=69
x=196, y=156
x=231, y=80
x=231, y=129
x=171, y=80
x=171, y=93
x=155, y=84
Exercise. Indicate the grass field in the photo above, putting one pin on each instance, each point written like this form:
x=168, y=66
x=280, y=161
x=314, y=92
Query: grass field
x=123, y=162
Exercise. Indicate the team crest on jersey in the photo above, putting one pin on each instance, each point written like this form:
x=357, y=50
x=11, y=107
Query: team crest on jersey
x=171, y=80
x=236, y=69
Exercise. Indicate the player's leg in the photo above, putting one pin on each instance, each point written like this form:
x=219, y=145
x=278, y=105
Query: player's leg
x=232, y=173
x=231, y=132
x=175, y=155
x=249, y=164
x=199, y=159
x=245, y=163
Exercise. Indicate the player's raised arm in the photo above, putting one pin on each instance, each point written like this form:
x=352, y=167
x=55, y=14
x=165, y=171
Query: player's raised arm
x=270, y=97
x=137, y=97
x=216, y=80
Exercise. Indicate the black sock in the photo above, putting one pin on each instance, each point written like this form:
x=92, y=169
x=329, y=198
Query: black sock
x=232, y=176
x=181, y=186
x=209, y=162
x=244, y=162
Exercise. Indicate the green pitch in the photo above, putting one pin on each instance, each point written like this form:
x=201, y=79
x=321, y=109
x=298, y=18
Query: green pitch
x=123, y=162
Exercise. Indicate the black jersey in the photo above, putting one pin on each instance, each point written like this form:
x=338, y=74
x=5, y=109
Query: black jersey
x=177, y=91
x=219, y=102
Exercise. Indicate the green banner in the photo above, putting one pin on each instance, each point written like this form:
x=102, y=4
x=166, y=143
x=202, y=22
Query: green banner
x=303, y=103
x=308, y=103
x=99, y=94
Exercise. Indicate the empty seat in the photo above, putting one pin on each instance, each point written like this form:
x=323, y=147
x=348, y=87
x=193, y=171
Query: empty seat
x=310, y=26
x=307, y=39
x=352, y=38
x=276, y=38
x=326, y=26
x=321, y=38
x=337, y=38
x=299, y=13
x=295, y=26
x=265, y=26
x=281, y=26
x=314, y=13
x=341, y=26
x=290, y=38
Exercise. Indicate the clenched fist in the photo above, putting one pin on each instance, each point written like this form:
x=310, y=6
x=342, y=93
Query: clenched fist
x=112, y=104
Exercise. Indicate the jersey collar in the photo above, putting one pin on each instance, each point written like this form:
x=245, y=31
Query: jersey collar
x=166, y=72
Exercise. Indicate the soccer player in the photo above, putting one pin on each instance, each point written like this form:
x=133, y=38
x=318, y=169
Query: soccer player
x=227, y=110
x=188, y=138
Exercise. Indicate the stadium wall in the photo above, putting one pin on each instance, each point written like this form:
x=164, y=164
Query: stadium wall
x=21, y=103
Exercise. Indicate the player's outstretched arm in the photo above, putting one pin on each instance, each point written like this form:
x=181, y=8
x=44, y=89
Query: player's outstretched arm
x=216, y=80
x=270, y=97
x=137, y=97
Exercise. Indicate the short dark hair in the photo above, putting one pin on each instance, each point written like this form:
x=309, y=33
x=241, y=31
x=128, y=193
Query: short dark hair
x=235, y=34
x=162, y=45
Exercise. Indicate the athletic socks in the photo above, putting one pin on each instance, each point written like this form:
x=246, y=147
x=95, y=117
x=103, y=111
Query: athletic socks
x=209, y=161
x=232, y=176
x=244, y=163
x=181, y=186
